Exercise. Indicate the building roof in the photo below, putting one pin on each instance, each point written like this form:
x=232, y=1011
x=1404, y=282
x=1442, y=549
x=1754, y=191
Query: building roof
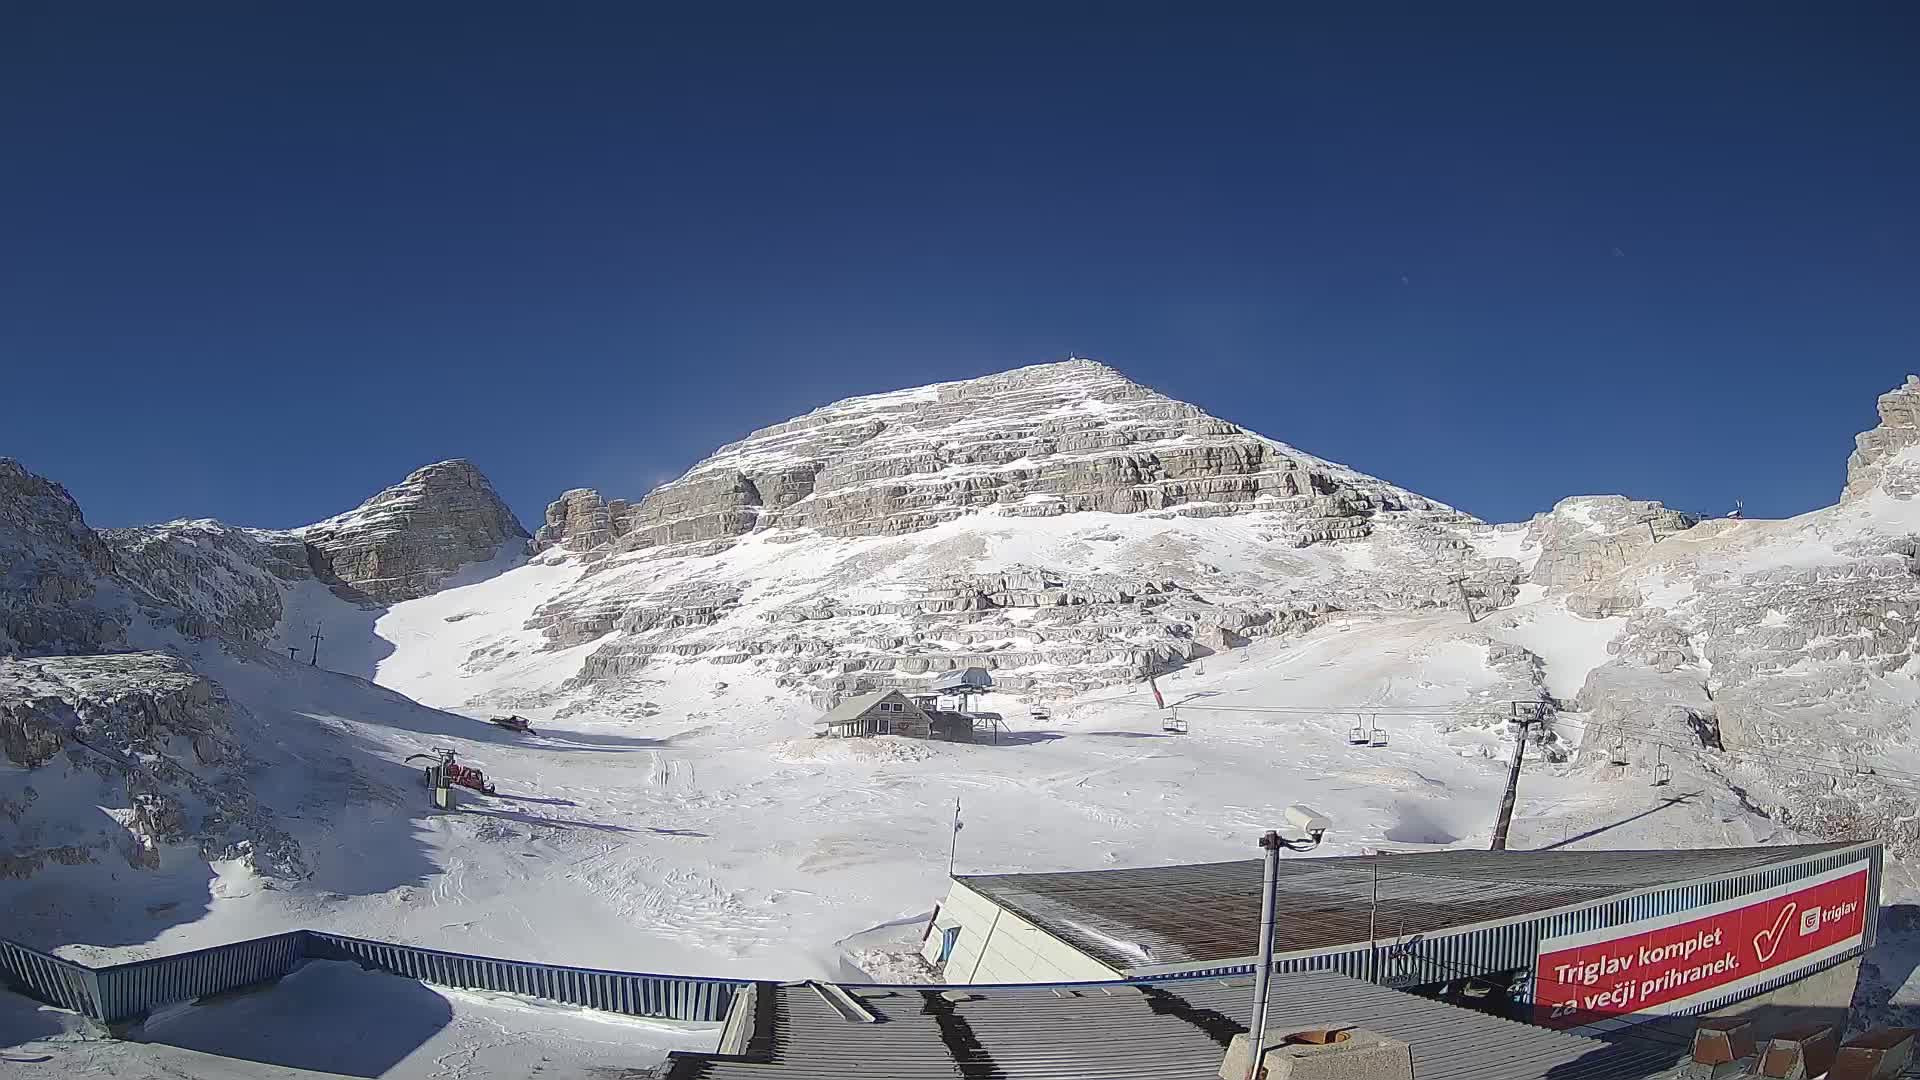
x=851, y=708
x=1208, y=912
x=1172, y=1029
x=973, y=678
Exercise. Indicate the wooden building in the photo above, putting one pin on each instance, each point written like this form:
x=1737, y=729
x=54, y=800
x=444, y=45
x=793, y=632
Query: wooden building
x=882, y=712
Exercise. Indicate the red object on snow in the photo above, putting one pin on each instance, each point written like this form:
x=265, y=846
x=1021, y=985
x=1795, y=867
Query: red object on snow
x=469, y=777
x=1158, y=701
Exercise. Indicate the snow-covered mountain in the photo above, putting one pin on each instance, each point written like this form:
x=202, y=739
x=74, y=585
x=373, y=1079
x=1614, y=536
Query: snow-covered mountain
x=1058, y=524
x=175, y=777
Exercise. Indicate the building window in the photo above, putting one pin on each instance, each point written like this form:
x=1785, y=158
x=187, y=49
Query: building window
x=949, y=937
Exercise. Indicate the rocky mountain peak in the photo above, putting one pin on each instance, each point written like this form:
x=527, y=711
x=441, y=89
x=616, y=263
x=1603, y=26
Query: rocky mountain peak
x=50, y=565
x=400, y=543
x=1038, y=441
x=1878, y=461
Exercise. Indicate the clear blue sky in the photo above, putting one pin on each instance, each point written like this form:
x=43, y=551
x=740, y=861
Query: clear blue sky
x=259, y=260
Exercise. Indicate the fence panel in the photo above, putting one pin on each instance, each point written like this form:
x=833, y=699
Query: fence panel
x=634, y=993
x=50, y=979
x=135, y=989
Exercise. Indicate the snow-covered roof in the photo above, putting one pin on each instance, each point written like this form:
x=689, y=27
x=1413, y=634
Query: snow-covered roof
x=1166, y=1030
x=853, y=707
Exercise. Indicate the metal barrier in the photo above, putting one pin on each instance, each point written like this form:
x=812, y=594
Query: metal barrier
x=129, y=991
x=634, y=993
x=136, y=989
x=50, y=979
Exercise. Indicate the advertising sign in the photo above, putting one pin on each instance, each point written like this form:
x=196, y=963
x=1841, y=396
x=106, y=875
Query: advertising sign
x=1662, y=965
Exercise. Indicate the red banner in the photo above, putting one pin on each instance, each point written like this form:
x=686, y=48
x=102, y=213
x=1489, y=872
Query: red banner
x=1642, y=966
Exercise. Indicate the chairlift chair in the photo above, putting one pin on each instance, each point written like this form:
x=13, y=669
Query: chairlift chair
x=1174, y=724
x=1379, y=738
x=1358, y=735
x=1662, y=774
x=1618, y=756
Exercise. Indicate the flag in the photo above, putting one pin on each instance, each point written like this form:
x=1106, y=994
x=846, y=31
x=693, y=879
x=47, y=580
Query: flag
x=1158, y=701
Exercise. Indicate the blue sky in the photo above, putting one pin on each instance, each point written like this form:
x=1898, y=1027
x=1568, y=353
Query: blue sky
x=258, y=261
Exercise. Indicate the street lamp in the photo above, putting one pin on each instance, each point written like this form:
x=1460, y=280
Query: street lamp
x=1311, y=825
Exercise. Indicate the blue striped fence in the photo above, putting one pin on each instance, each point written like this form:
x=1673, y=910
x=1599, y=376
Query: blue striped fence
x=135, y=989
x=48, y=978
x=673, y=997
x=129, y=991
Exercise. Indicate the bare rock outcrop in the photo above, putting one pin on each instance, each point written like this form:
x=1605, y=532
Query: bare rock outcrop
x=1037, y=441
x=56, y=589
x=401, y=543
x=1587, y=538
x=124, y=755
x=210, y=580
x=1877, y=461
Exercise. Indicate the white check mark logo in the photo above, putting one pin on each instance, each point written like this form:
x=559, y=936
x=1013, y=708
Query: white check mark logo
x=1767, y=942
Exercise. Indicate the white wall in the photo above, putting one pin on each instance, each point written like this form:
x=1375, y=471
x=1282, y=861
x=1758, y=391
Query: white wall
x=997, y=946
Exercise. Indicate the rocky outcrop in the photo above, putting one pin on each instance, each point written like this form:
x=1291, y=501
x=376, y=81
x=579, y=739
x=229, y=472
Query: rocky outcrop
x=696, y=570
x=399, y=544
x=1038, y=441
x=143, y=743
x=55, y=573
x=209, y=580
x=581, y=521
x=1588, y=538
x=1878, y=461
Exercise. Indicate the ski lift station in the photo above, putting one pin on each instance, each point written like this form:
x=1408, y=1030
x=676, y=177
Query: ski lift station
x=916, y=713
x=1580, y=940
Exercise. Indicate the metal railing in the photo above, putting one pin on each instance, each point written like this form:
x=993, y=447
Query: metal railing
x=48, y=978
x=123, y=992
x=676, y=997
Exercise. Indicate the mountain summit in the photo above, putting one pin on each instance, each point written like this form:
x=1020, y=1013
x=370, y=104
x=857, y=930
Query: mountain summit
x=1059, y=524
x=1036, y=441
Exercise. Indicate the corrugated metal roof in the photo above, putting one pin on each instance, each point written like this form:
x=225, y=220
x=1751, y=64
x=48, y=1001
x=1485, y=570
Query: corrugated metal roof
x=1207, y=912
x=1170, y=1030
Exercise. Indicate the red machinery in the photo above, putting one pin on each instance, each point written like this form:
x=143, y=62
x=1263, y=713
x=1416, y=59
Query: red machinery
x=465, y=776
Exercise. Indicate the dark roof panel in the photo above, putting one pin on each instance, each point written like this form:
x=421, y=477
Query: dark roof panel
x=1206, y=912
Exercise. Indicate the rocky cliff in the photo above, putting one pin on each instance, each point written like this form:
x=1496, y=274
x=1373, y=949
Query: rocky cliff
x=401, y=543
x=1877, y=462
x=1780, y=653
x=1038, y=441
x=1059, y=525
x=119, y=755
x=56, y=585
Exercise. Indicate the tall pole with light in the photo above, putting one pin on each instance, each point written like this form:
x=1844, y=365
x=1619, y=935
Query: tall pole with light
x=1311, y=826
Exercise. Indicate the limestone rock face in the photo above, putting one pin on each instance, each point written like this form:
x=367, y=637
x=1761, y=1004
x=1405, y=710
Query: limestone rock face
x=399, y=544
x=52, y=567
x=119, y=756
x=210, y=580
x=580, y=520
x=1058, y=525
x=1587, y=538
x=1034, y=442
x=1877, y=459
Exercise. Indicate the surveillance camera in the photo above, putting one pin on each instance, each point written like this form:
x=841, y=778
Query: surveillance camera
x=1308, y=820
